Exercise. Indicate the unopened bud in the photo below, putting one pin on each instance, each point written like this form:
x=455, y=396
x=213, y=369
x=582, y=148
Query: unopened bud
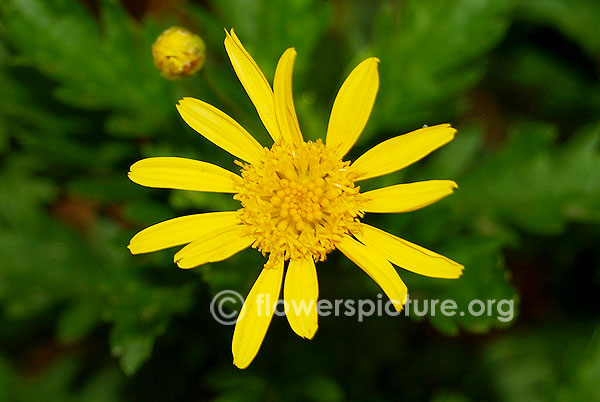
x=178, y=53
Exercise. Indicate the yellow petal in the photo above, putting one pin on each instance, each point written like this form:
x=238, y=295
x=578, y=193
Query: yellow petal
x=254, y=82
x=220, y=129
x=352, y=106
x=182, y=230
x=284, y=100
x=214, y=245
x=256, y=314
x=399, y=152
x=377, y=267
x=407, y=197
x=300, y=292
x=182, y=174
x=408, y=255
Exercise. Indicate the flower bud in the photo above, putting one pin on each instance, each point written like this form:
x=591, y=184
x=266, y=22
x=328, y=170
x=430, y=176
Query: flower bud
x=178, y=53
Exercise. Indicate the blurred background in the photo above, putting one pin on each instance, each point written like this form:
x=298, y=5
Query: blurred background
x=80, y=101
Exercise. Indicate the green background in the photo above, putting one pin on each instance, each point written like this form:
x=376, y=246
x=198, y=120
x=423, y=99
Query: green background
x=80, y=100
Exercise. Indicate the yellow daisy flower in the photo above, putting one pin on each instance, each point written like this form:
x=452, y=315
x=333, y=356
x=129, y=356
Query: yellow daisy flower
x=299, y=199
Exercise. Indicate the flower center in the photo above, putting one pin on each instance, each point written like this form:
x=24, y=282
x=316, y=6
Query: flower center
x=299, y=200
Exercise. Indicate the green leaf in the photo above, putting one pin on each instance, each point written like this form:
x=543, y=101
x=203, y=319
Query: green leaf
x=522, y=74
x=299, y=24
x=429, y=57
x=8, y=381
x=98, y=66
x=141, y=313
x=582, y=384
x=544, y=363
x=483, y=295
x=132, y=349
x=323, y=389
x=534, y=184
x=575, y=18
x=78, y=321
x=64, y=381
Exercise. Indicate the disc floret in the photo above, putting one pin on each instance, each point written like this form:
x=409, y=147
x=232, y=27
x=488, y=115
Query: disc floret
x=299, y=200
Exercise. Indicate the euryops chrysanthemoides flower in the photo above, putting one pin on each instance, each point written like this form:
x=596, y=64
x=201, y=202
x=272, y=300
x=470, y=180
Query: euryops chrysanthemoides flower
x=299, y=200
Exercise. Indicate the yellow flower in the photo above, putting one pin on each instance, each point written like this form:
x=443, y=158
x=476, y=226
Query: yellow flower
x=178, y=53
x=299, y=199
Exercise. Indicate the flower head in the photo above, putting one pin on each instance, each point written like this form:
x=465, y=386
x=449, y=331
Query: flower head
x=299, y=200
x=178, y=53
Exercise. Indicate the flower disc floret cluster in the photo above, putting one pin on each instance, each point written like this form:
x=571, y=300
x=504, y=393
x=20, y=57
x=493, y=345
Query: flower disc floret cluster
x=299, y=201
